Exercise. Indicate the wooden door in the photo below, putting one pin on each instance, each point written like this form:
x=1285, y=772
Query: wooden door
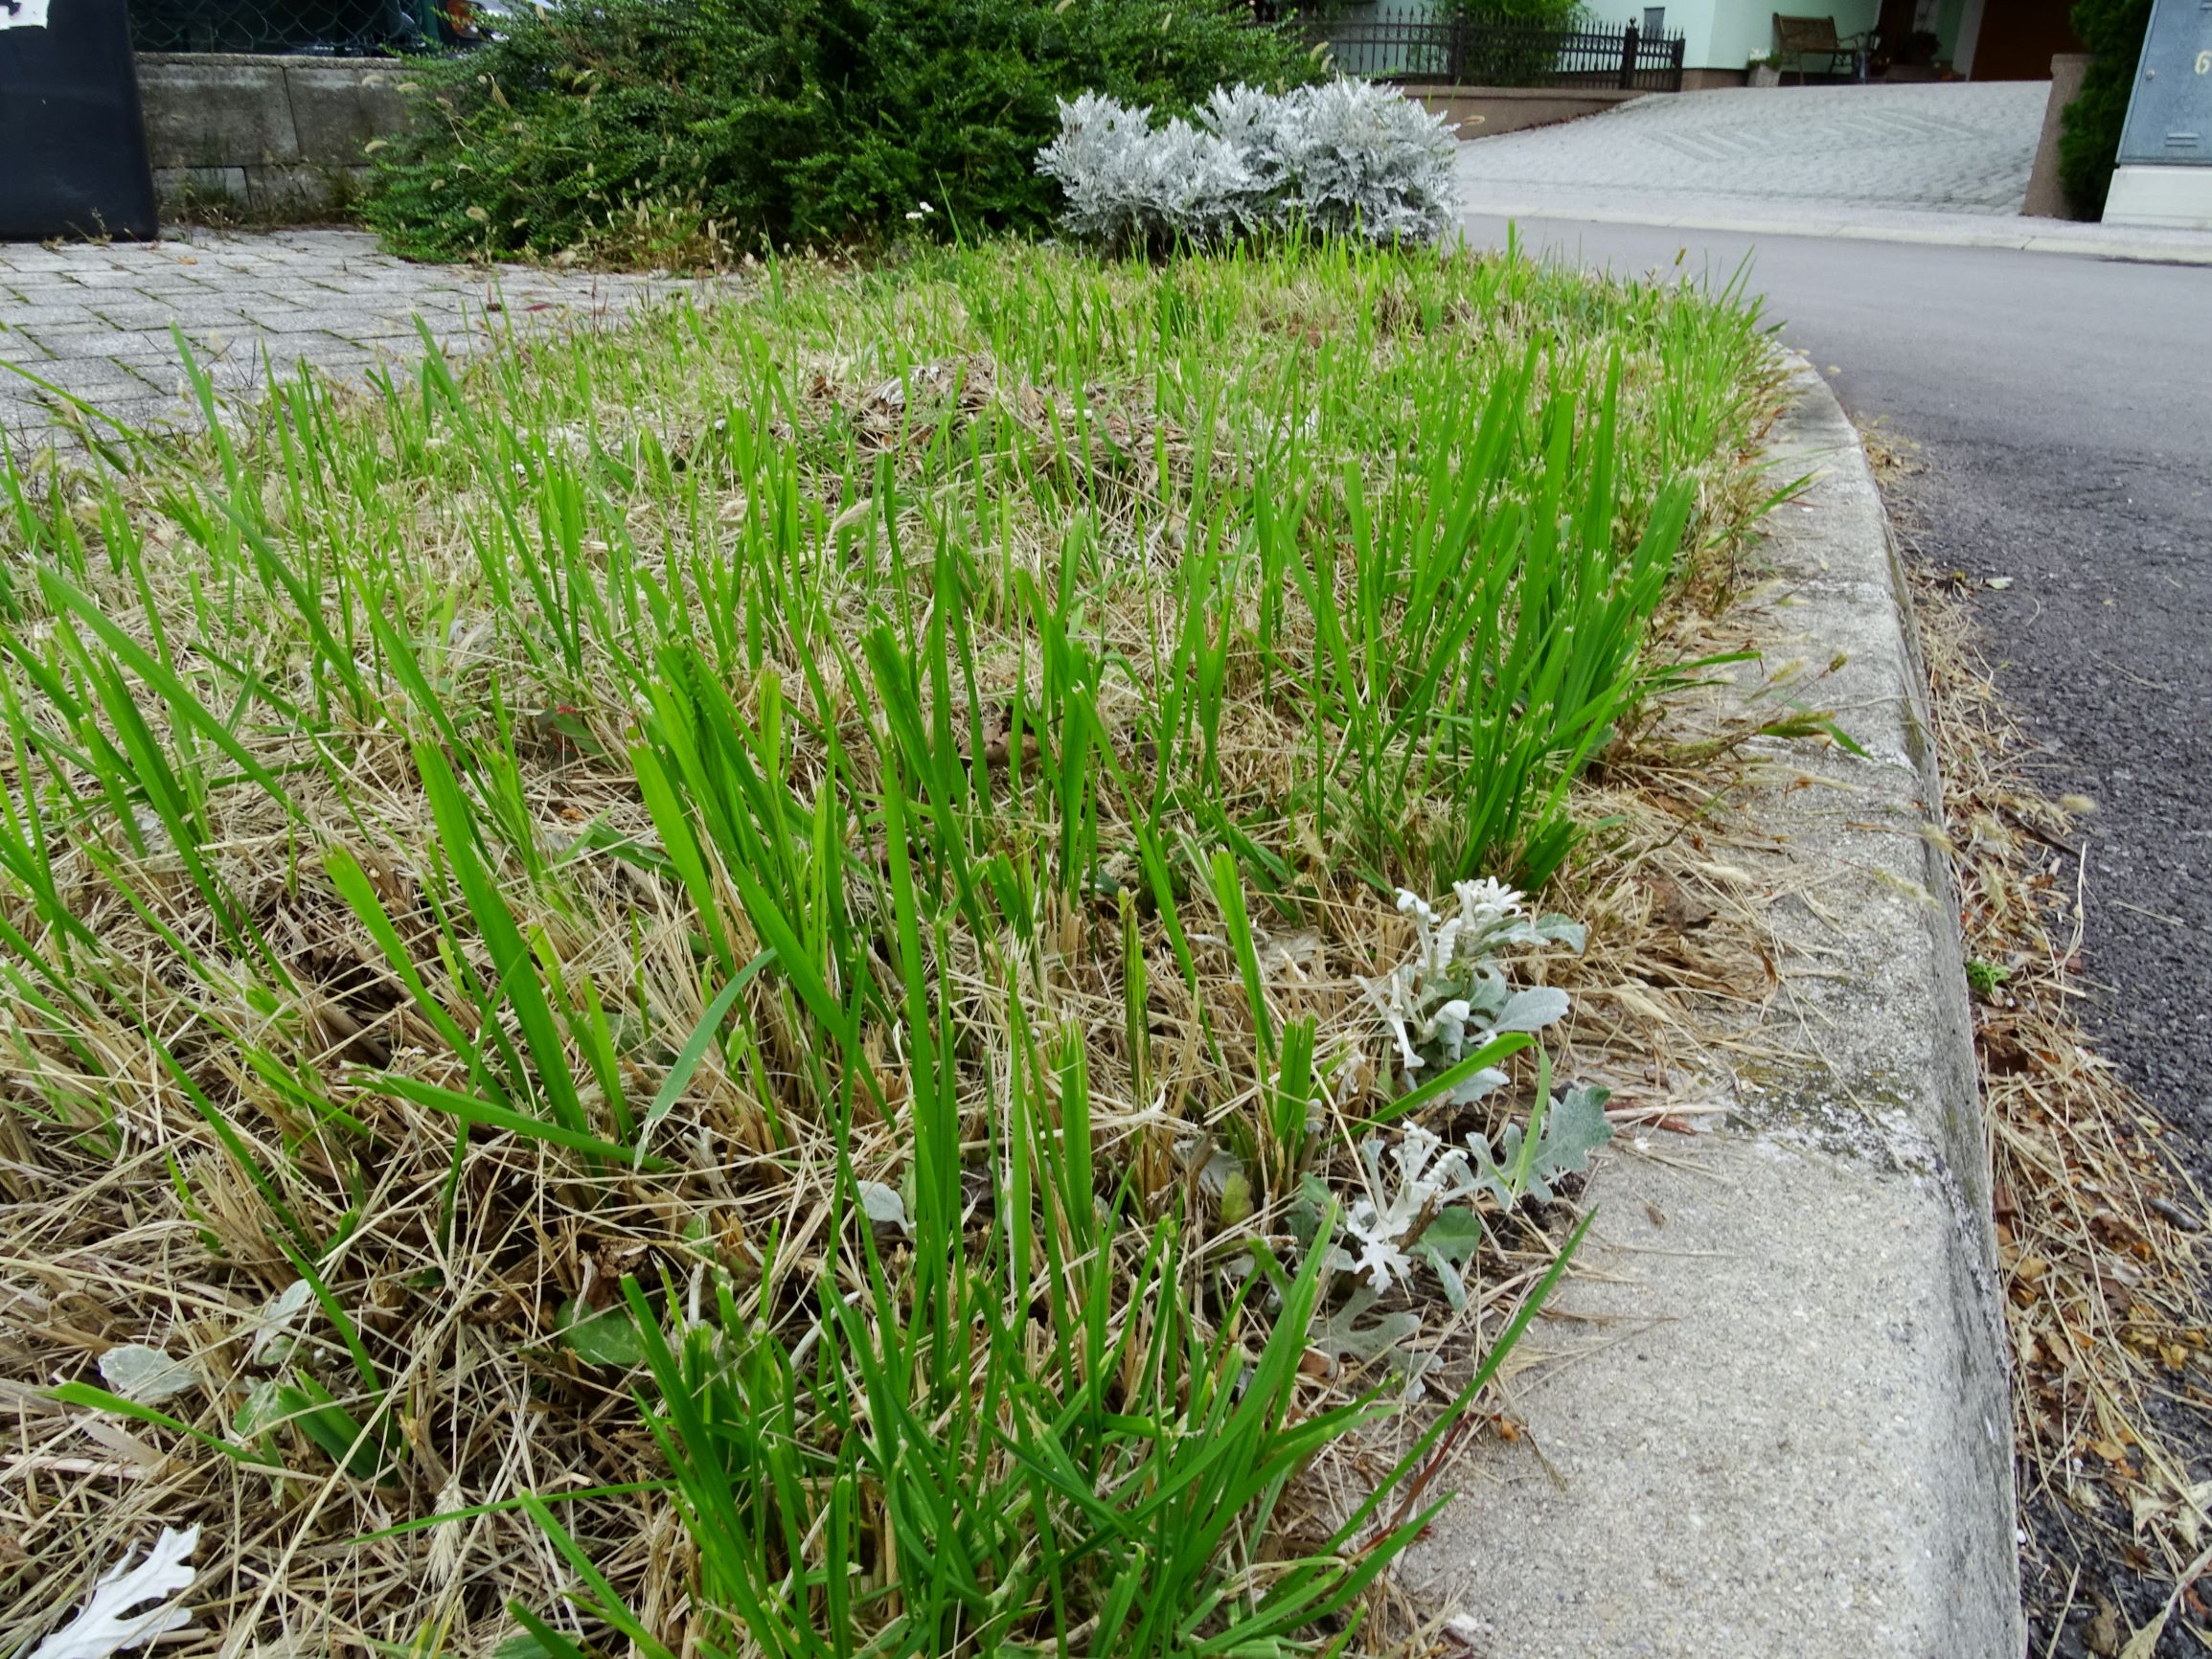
x=2020, y=38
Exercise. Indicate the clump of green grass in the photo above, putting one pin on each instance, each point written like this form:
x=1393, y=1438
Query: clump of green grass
x=768, y=858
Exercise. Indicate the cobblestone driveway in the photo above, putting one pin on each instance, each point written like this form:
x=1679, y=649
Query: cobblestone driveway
x=94, y=319
x=1965, y=148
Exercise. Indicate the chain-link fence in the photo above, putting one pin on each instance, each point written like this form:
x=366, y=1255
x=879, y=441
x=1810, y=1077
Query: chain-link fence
x=311, y=28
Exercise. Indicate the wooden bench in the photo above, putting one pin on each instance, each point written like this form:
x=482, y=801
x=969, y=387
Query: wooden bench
x=1803, y=37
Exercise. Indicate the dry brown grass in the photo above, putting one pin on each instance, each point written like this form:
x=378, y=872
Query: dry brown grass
x=2101, y=1226
x=2100, y=1229
x=128, y=1218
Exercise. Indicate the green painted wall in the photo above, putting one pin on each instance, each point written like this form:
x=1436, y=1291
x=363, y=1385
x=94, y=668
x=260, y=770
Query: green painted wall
x=1723, y=34
x=1946, y=25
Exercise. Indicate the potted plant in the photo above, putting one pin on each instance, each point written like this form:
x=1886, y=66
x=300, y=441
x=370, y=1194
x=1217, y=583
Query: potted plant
x=1763, y=70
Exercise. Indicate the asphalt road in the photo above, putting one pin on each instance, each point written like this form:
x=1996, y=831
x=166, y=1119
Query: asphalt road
x=2062, y=407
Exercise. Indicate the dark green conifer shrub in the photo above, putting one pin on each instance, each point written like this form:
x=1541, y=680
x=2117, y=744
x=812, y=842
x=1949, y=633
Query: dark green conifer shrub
x=688, y=131
x=2090, y=126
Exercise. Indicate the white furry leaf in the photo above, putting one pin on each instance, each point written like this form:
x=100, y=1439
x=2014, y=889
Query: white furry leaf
x=144, y=1373
x=883, y=1206
x=272, y=1327
x=111, y=1621
x=1532, y=1010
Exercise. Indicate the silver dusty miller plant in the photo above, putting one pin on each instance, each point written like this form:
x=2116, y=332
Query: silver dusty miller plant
x=1345, y=158
x=1131, y=184
x=1421, y=1193
x=1419, y=1210
x=1367, y=160
x=1451, y=997
x=1417, y=1205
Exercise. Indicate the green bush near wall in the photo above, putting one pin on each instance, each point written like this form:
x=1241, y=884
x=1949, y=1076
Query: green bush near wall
x=2089, y=131
x=671, y=131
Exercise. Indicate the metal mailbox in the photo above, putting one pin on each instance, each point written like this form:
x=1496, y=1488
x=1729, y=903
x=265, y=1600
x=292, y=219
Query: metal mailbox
x=2170, y=113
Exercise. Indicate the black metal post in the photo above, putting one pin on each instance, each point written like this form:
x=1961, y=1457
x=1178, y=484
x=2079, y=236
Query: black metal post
x=1629, y=57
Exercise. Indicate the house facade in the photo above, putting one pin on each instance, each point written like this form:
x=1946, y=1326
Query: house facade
x=1973, y=39
x=1919, y=39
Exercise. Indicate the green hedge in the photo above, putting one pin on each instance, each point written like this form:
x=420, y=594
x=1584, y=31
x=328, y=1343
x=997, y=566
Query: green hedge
x=2089, y=130
x=663, y=131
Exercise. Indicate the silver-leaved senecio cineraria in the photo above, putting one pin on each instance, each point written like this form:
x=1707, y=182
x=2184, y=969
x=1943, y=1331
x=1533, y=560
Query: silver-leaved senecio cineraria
x=1347, y=158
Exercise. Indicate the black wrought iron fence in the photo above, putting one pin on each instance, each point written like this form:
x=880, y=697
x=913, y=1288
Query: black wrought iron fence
x=311, y=28
x=1462, y=52
x=1458, y=51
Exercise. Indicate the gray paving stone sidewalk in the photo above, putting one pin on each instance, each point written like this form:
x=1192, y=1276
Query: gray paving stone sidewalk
x=1963, y=148
x=94, y=319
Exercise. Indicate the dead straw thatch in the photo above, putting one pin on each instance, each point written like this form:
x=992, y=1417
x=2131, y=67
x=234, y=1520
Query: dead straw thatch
x=128, y=1214
x=2100, y=1229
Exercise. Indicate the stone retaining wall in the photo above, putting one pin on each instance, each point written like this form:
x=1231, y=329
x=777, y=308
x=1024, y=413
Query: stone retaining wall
x=274, y=135
x=1486, y=111
x=286, y=135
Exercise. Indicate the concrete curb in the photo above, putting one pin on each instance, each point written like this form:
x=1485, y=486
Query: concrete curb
x=1929, y=229
x=1792, y=1436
